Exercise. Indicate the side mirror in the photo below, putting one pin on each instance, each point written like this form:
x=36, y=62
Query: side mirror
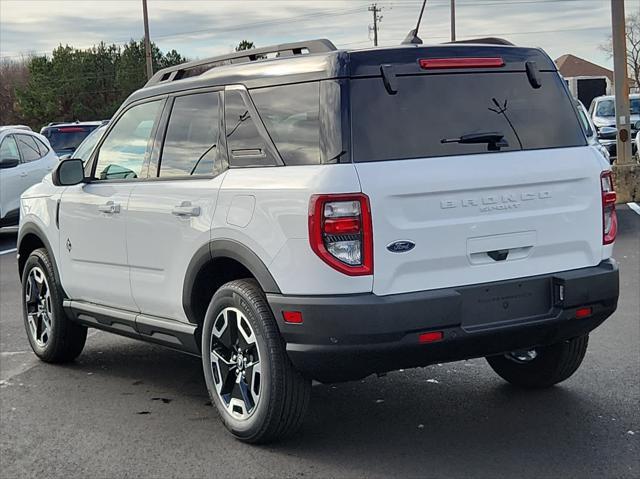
x=9, y=162
x=68, y=172
x=607, y=133
x=637, y=125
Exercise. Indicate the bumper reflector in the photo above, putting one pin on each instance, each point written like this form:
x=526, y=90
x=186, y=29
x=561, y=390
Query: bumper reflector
x=583, y=313
x=293, y=317
x=430, y=337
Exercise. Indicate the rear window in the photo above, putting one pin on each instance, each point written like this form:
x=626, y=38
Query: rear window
x=68, y=138
x=429, y=115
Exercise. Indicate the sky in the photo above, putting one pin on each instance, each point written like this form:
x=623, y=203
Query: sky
x=203, y=28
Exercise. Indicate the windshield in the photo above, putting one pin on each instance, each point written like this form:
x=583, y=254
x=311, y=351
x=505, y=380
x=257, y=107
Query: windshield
x=457, y=114
x=68, y=138
x=608, y=108
x=84, y=150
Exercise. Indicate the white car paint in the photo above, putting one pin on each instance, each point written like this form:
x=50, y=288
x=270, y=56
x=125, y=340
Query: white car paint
x=14, y=181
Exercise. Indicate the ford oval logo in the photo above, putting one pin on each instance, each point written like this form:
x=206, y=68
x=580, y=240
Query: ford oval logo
x=401, y=246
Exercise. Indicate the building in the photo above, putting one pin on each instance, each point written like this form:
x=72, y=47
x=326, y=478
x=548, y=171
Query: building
x=585, y=79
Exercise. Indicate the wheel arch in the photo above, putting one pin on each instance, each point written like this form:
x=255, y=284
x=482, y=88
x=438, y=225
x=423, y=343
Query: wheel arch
x=214, y=264
x=30, y=238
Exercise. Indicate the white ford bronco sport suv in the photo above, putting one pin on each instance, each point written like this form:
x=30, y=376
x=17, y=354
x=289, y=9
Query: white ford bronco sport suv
x=299, y=212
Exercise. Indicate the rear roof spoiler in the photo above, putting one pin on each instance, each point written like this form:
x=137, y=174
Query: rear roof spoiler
x=485, y=41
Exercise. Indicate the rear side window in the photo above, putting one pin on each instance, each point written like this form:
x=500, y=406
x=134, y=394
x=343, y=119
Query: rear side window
x=429, y=114
x=291, y=114
x=9, y=148
x=246, y=145
x=28, y=148
x=191, y=143
x=44, y=149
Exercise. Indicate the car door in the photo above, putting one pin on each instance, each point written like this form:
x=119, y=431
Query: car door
x=169, y=217
x=93, y=215
x=14, y=180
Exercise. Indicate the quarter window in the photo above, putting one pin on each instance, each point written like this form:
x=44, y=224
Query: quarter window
x=125, y=150
x=246, y=145
x=191, y=143
x=291, y=116
x=28, y=148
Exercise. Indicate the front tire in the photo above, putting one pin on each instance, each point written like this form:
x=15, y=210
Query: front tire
x=54, y=338
x=551, y=364
x=258, y=394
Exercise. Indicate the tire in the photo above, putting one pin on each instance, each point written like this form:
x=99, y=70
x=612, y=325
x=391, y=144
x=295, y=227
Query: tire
x=553, y=364
x=270, y=400
x=54, y=338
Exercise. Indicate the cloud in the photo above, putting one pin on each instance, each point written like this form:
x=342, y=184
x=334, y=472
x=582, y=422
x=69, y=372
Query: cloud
x=205, y=28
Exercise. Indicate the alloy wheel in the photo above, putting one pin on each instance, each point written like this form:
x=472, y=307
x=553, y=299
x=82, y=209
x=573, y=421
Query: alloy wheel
x=235, y=363
x=39, y=310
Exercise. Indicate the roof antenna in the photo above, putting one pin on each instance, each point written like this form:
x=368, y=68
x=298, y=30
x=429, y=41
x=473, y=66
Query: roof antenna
x=412, y=38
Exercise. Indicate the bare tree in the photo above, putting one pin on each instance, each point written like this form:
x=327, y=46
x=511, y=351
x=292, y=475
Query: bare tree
x=633, y=48
x=13, y=74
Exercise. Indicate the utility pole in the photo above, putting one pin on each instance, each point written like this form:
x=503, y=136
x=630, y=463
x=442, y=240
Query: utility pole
x=626, y=173
x=147, y=41
x=453, y=20
x=374, y=8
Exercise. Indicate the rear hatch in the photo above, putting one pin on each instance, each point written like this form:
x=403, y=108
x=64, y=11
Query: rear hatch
x=477, y=170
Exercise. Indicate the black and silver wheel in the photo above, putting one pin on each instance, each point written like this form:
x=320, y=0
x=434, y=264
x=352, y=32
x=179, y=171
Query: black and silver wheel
x=541, y=367
x=235, y=363
x=258, y=394
x=53, y=337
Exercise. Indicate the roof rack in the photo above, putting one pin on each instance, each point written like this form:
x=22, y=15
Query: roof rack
x=198, y=67
x=486, y=40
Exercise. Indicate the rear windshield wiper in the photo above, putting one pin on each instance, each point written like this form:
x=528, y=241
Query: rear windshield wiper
x=494, y=140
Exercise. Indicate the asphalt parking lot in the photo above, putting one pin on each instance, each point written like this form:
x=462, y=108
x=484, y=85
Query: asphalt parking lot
x=128, y=409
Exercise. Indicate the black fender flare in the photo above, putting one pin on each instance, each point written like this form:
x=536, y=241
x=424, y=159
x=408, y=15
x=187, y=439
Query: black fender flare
x=225, y=248
x=34, y=229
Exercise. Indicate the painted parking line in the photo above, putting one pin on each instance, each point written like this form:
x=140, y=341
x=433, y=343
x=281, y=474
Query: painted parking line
x=635, y=207
x=7, y=251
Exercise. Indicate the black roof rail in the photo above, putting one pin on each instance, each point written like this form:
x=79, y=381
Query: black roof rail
x=486, y=41
x=198, y=67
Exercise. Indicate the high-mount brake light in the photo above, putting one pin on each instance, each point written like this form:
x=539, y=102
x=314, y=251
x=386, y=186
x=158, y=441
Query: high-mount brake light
x=340, y=232
x=440, y=63
x=70, y=129
x=609, y=216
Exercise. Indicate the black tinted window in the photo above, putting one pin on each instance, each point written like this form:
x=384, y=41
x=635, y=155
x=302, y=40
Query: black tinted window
x=67, y=138
x=191, y=142
x=291, y=115
x=28, y=148
x=430, y=108
x=245, y=144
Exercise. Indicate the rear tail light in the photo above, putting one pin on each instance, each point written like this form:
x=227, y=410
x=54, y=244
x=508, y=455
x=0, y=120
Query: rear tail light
x=439, y=63
x=340, y=232
x=609, y=217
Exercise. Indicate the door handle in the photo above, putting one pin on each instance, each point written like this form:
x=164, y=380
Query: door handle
x=23, y=174
x=109, y=207
x=185, y=209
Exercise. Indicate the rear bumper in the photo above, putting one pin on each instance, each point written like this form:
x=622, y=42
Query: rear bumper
x=351, y=336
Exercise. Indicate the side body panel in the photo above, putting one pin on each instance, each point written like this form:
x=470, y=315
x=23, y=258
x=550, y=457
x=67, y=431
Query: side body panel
x=267, y=210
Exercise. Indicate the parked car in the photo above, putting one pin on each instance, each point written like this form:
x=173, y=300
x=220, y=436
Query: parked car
x=66, y=137
x=603, y=115
x=25, y=158
x=85, y=148
x=329, y=214
x=590, y=131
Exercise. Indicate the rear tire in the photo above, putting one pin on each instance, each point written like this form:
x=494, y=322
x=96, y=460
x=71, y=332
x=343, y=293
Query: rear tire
x=552, y=364
x=54, y=338
x=258, y=394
